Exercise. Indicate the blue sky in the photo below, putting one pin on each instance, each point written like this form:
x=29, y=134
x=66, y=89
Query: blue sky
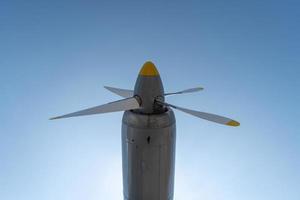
x=55, y=57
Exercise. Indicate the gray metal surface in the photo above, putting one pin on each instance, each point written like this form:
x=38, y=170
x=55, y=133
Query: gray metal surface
x=121, y=92
x=148, y=155
x=148, y=88
x=121, y=105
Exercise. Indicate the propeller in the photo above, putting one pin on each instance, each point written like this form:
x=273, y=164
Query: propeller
x=203, y=115
x=121, y=92
x=129, y=93
x=130, y=103
x=121, y=105
x=196, y=89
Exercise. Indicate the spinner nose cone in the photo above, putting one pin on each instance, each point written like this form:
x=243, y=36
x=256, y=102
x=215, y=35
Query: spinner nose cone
x=148, y=87
x=148, y=69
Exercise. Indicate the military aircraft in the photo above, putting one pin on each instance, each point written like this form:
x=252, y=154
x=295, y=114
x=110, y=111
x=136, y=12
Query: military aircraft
x=148, y=134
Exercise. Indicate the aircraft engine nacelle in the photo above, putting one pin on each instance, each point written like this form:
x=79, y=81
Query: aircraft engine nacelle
x=148, y=155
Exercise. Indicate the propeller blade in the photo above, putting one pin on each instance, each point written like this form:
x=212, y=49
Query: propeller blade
x=121, y=92
x=196, y=89
x=121, y=105
x=207, y=116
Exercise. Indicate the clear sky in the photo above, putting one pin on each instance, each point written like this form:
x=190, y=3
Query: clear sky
x=55, y=56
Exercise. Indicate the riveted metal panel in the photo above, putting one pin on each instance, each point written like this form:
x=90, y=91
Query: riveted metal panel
x=148, y=152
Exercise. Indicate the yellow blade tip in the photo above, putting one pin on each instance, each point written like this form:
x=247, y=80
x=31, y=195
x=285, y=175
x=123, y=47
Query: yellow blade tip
x=149, y=69
x=233, y=123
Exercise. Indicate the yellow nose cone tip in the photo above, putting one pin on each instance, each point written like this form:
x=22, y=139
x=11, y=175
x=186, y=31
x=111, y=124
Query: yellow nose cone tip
x=149, y=69
x=233, y=123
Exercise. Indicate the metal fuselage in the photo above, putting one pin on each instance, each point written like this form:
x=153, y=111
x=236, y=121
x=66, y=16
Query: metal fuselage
x=148, y=142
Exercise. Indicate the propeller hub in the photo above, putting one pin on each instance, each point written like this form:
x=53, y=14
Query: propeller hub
x=148, y=87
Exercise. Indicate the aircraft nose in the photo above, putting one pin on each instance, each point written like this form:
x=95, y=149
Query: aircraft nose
x=149, y=69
